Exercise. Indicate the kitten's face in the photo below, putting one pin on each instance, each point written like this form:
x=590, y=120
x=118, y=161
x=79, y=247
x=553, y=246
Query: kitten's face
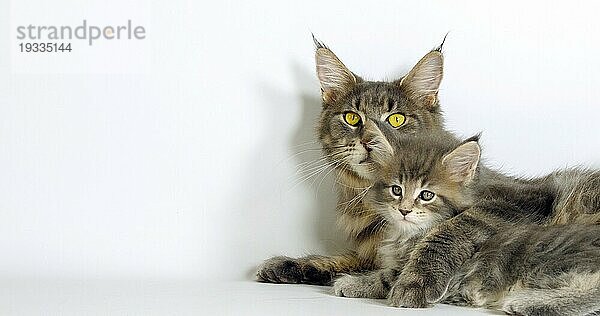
x=425, y=185
x=411, y=205
x=359, y=116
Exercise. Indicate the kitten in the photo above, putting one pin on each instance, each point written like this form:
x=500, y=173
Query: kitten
x=563, y=197
x=414, y=192
x=356, y=119
x=533, y=270
x=519, y=268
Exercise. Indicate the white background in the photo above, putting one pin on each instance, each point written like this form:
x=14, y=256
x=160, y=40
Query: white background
x=175, y=156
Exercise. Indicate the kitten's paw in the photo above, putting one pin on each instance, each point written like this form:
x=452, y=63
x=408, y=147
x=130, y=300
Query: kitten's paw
x=520, y=308
x=280, y=270
x=351, y=286
x=408, y=295
x=416, y=290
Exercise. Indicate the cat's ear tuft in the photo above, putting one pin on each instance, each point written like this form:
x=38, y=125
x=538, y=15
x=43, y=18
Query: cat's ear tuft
x=422, y=83
x=335, y=78
x=462, y=162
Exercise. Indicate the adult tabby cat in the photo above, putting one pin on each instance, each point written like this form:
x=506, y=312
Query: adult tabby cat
x=356, y=117
x=449, y=216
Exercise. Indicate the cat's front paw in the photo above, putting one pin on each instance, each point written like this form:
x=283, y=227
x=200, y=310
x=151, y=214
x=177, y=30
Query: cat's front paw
x=415, y=291
x=280, y=270
x=408, y=295
x=351, y=286
x=522, y=307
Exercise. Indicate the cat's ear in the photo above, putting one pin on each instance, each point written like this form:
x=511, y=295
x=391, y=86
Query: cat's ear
x=422, y=82
x=335, y=78
x=462, y=162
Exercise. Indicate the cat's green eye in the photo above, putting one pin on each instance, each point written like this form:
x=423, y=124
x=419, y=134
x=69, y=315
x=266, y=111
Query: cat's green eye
x=396, y=190
x=396, y=120
x=426, y=195
x=352, y=118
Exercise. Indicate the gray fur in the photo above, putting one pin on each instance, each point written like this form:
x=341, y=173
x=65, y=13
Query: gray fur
x=374, y=284
x=489, y=240
x=353, y=151
x=534, y=270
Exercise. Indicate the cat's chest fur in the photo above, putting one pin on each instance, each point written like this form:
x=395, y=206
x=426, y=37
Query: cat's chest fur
x=361, y=223
x=394, y=251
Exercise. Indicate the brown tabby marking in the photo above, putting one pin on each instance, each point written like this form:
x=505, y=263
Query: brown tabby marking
x=353, y=149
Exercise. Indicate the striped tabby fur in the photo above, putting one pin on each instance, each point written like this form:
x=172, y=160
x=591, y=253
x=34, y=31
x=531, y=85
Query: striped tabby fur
x=352, y=149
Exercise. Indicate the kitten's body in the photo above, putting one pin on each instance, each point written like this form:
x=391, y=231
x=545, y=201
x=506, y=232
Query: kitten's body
x=492, y=238
x=533, y=270
x=351, y=148
x=578, y=196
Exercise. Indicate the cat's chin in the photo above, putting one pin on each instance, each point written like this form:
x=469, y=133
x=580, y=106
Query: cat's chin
x=406, y=226
x=404, y=230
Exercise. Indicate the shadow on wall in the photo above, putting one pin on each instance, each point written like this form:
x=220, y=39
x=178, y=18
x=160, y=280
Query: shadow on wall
x=323, y=183
x=312, y=215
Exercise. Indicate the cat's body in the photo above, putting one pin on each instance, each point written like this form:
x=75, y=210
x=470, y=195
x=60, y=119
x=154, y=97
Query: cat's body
x=577, y=197
x=355, y=122
x=484, y=234
x=533, y=270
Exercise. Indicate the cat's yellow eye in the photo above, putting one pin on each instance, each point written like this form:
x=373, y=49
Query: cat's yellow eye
x=352, y=118
x=396, y=120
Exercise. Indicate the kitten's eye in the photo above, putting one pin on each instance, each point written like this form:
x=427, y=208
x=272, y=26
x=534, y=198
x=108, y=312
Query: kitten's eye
x=396, y=190
x=352, y=118
x=396, y=120
x=426, y=195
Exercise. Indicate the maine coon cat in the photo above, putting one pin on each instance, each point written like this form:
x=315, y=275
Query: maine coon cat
x=519, y=266
x=357, y=117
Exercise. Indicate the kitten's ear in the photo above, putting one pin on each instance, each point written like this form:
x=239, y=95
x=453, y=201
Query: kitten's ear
x=462, y=162
x=423, y=81
x=336, y=79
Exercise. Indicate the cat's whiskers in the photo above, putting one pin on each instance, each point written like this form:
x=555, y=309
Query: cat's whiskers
x=309, y=151
x=346, y=185
x=322, y=168
x=325, y=156
x=342, y=164
x=348, y=203
x=304, y=151
x=306, y=144
x=311, y=173
x=311, y=165
x=307, y=167
x=307, y=173
x=338, y=179
x=326, y=172
x=325, y=176
x=379, y=227
x=356, y=199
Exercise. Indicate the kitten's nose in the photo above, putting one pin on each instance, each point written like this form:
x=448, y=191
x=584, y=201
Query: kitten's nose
x=405, y=212
x=366, y=145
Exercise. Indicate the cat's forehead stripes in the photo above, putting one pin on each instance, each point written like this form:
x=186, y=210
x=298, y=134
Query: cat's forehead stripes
x=375, y=99
x=414, y=185
x=390, y=104
x=420, y=175
x=356, y=102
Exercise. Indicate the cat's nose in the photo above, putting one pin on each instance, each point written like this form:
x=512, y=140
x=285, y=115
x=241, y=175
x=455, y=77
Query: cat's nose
x=366, y=145
x=405, y=212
